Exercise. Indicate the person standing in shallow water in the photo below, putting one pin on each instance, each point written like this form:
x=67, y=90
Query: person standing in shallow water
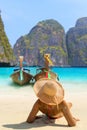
x=51, y=102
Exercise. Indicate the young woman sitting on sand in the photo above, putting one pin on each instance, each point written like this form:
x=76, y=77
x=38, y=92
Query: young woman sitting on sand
x=50, y=101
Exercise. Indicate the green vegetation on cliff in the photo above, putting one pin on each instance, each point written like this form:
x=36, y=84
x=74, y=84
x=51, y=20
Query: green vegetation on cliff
x=6, y=52
x=48, y=36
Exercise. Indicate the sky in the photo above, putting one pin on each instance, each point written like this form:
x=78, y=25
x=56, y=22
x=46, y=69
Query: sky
x=20, y=16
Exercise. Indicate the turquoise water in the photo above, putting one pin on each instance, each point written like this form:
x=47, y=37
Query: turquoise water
x=72, y=74
x=66, y=76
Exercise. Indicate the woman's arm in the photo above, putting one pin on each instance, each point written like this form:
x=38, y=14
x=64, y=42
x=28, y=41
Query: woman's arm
x=33, y=112
x=67, y=114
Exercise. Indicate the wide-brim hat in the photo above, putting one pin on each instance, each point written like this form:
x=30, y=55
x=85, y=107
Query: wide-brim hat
x=49, y=91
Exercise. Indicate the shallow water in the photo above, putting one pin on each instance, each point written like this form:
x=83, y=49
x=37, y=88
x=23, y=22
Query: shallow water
x=72, y=79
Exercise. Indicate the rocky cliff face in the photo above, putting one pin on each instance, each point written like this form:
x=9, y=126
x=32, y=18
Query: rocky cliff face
x=76, y=41
x=46, y=37
x=6, y=52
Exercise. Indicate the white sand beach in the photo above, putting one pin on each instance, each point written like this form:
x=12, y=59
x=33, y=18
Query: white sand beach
x=15, y=105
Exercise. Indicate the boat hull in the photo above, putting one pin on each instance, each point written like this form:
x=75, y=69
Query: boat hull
x=26, y=78
x=42, y=75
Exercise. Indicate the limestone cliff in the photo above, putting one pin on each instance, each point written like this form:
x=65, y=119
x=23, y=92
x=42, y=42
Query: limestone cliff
x=76, y=41
x=46, y=37
x=6, y=52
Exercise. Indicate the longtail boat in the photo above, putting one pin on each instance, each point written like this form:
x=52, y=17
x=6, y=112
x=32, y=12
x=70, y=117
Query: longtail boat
x=45, y=72
x=21, y=76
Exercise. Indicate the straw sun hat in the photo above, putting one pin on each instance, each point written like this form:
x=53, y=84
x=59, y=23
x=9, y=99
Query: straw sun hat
x=49, y=91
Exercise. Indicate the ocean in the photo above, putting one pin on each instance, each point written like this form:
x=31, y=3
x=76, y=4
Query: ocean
x=71, y=78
